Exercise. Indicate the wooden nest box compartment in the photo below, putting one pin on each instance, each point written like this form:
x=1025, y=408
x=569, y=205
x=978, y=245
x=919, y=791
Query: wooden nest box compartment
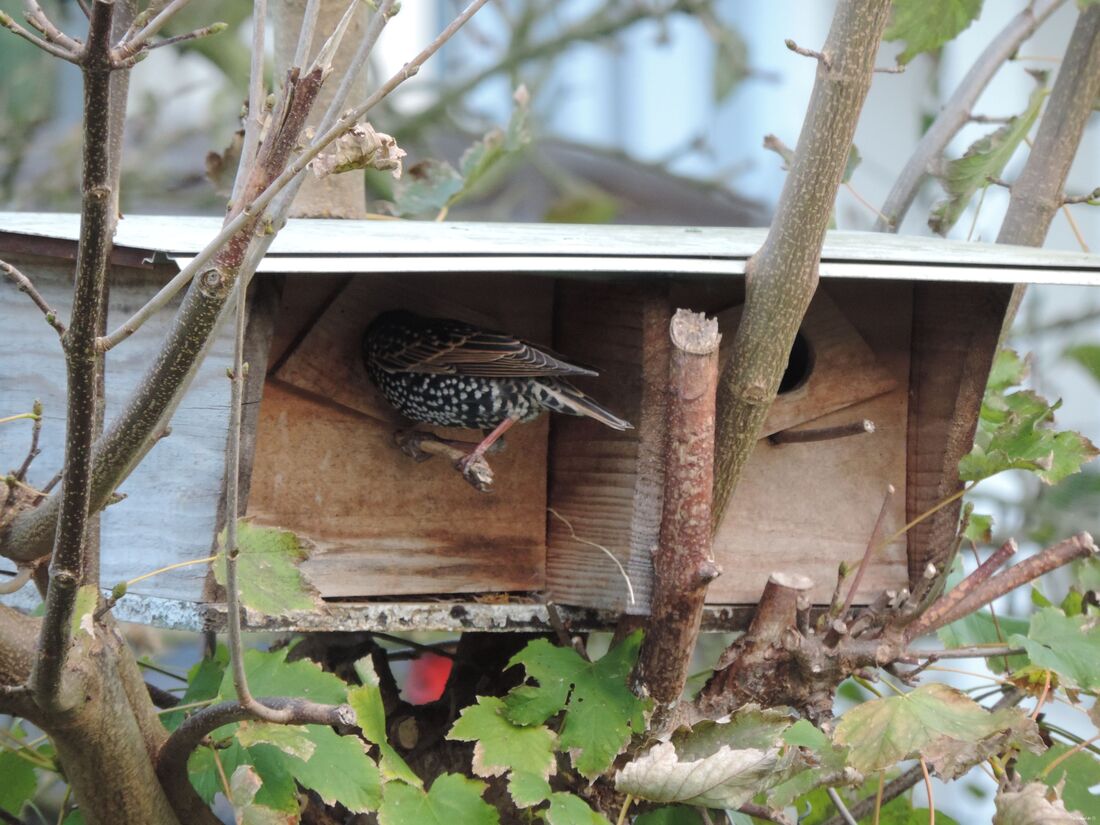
x=901, y=334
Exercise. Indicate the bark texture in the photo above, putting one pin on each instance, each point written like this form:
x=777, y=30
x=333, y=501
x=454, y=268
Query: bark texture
x=781, y=278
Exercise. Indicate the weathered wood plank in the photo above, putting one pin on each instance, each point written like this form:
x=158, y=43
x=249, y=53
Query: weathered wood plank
x=169, y=513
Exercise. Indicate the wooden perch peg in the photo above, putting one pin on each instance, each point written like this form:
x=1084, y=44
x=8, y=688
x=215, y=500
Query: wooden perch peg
x=683, y=564
x=421, y=446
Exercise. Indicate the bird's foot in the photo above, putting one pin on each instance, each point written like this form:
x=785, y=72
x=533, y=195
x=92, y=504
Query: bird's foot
x=476, y=470
x=420, y=446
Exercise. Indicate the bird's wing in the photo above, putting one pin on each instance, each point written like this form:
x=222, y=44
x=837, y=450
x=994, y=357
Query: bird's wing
x=461, y=349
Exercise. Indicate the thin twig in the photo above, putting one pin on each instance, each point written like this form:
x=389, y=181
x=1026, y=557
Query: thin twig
x=1089, y=198
x=34, y=15
x=1072, y=221
x=928, y=788
x=305, y=32
x=841, y=808
x=992, y=610
x=50, y=48
x=131, y=45
x=818, y=56
x=256, y=99
x=204, y=31
x=261, y=201
x=972, y=652
x=26, y=286
x=34, y=451
x=16, y=582
x=1042, y=697
x=872, y=545
x=862, y=427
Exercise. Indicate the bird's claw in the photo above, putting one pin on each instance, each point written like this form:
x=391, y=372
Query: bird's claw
x=476, y=470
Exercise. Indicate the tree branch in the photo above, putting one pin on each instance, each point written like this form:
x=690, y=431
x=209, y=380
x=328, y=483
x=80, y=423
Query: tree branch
x=1038, y=192
x=683, y=564
x=34, y=15
x=97, y=220
x=26, y=286
x=957, y=111
x=50, y=48
x=781, y=278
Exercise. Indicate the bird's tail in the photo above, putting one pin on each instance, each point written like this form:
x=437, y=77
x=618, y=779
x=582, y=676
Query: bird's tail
x=563, y=397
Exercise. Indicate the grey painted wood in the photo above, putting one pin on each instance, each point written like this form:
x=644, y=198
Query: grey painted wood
x=168, y=515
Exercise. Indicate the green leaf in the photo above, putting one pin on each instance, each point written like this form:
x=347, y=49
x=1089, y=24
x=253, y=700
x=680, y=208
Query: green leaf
x=986, y=158
x=527, y=789
x=290, y=739
x=426, y=188
x=1008, y=370
x=270, y=674
x=935, y=721
x=453, y=799
x=1068, y=645
x=339, y=770
x=204, y=681
x=566, y=809
x=203, y=771
x=370, y=713
x=1014, y=433
x=267, y=570
x=979, y=528
x=243, y=787
x=1088, y=356
x=925, y=25
x=74, y=817
x=19, y=782
x=716, y=765
x=501, y=745
x=674, y=815
x=1080, y=773
x=600, y=710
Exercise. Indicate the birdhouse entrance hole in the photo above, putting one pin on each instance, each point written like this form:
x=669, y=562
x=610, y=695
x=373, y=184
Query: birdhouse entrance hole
x=800, y=364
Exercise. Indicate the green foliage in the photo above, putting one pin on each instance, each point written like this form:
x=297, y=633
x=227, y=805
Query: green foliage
x=925, y=25
x=432, y=187
x=501, y=746
x=979, y=528
x=566, y=809
x=980, y=629
x=1014, y=432
x=452, y=799
x=1067, y=645
x=951, y=731
x=370, y=713
x=986, y=158
x=600, y=710
x=1086, y=355
x=87, y=597
x=19, y=781
x=267, y=570
x=674, y=815
x=243, y=786
x=1080, y=773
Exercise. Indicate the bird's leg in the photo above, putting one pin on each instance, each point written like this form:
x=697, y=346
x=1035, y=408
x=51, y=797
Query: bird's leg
x=476, y=454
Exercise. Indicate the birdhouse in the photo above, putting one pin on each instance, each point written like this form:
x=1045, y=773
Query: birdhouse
x=890, y=362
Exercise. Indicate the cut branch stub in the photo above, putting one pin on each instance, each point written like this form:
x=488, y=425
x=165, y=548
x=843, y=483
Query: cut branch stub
x=683, y=565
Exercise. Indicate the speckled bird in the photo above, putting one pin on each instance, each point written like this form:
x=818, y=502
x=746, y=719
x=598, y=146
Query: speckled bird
x=453, y=374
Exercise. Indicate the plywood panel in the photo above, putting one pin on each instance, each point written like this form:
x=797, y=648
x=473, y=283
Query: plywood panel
x=607, y=484
x=326, y=466
x=172, y=496
x=804, y=508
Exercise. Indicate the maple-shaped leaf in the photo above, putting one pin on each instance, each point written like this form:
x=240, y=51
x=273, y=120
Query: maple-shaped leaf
x=1075, y=774
x=601, y=712
x=925, y=25
x=244, y=784
x=985, y=159
x=566, y=809
x=714, y=764
x=271, y=581
x=1068, y=645
x=935, y=721
x=501, y=745
x=452, y=799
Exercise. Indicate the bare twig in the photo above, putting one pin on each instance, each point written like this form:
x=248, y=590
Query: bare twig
x=133, y=43
x=872, y=545
x=973, y=652
x=26, y=286
x=34, y=451
x=1072, y=221
x=16, y=582
x=50, y=48
x=204, y=31
x=256, y=98
x=820, y=57
x=956, y=112
x=305, y=33
x=841, y=808
x=861, y=427
x=949, y=602
x=34, y=15
x=1089, y=198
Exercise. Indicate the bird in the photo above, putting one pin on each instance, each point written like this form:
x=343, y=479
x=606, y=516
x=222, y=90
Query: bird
x=453, y=374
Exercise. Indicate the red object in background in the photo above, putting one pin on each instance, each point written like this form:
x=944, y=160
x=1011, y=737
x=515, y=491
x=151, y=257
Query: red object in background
x=427, y=678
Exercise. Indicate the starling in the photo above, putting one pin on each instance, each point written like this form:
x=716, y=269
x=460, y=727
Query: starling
x=453, y=374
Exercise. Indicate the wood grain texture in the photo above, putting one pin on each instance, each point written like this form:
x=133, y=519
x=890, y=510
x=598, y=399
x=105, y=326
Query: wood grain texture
x=381, y=524
x=608, y=484
x=956, y=328
x=172, y=497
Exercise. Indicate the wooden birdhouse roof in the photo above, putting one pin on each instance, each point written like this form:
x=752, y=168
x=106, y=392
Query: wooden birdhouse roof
x=340, y=246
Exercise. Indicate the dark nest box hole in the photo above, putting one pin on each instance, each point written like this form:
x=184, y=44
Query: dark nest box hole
x=800, y=363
